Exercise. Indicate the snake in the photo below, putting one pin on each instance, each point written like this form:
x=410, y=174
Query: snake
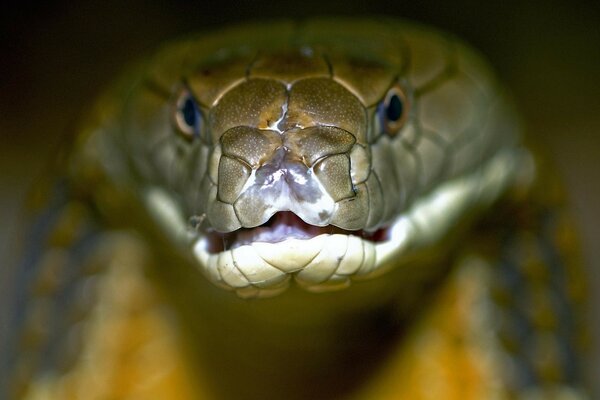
x=287, y=180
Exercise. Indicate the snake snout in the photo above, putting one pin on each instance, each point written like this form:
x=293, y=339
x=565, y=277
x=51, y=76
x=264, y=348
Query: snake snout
x=305, y=171
x=283, y=183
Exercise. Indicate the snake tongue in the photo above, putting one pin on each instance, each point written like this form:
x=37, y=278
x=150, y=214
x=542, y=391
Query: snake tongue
x=281, y=226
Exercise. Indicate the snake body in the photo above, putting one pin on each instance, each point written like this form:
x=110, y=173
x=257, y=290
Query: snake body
x=276, y=160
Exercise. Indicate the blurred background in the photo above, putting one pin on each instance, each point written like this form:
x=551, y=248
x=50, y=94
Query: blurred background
x=57, y=55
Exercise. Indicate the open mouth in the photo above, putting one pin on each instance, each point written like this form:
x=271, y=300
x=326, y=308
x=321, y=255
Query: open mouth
x=262, y=261
x=282, y=226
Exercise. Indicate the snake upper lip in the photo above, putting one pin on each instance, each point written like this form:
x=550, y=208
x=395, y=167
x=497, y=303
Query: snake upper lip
x=281, y=226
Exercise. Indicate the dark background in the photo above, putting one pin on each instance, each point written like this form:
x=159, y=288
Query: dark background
x=55, y=57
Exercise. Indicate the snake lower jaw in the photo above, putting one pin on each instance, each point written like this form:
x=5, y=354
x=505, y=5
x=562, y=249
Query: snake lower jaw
x=324, y=262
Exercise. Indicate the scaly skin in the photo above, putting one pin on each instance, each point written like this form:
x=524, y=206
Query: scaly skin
x=441, y=257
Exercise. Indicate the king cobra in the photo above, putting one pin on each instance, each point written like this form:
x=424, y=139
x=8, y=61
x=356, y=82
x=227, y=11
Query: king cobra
x=331, y=208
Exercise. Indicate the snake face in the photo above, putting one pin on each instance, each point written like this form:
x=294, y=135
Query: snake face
x=326, y=154
x=294, y=149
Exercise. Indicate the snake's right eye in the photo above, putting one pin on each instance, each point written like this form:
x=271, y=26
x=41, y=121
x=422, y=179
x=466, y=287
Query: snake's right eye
x=188, y=117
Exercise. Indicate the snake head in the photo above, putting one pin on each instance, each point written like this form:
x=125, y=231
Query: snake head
x=319, y=158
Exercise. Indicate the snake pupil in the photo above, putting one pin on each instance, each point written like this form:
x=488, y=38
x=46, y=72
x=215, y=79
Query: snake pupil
x=189, y=112
x=188, y=117
x=394, y=108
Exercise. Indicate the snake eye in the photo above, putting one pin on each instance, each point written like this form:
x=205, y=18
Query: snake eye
x=393, y=110
x=188, y=117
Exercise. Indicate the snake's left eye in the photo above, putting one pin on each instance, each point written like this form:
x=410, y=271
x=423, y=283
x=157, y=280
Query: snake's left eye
x=188, y=116
x=393, y=110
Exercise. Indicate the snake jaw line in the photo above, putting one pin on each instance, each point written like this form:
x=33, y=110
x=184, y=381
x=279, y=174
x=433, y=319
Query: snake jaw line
x=325, y=262
x=264, y=259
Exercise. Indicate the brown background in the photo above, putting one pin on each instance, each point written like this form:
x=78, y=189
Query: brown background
x=56, y=57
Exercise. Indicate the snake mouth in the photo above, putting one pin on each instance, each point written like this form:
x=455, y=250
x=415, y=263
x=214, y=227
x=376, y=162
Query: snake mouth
x=282, y=226
x=264, y=260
